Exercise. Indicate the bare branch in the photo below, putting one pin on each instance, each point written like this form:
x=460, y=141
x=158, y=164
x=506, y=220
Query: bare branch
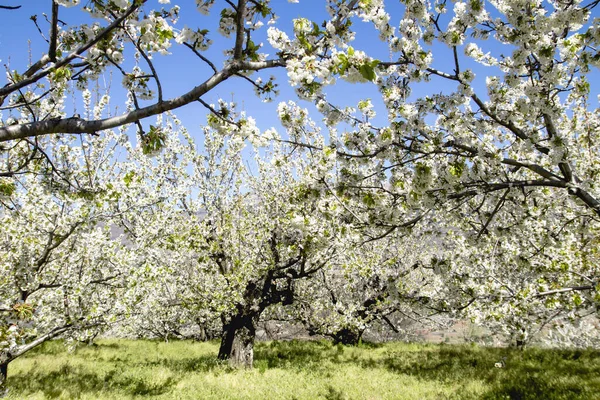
x=217, y=114
x=34, y=343
x=76, y=125
x=493, y=214
x=507, y=124
x=508, y=161
x=533, y=167
x=206, y=60
x=564, y=167
x=492, y=187
x=53, y=32
x=456, y=63
x=565, y=290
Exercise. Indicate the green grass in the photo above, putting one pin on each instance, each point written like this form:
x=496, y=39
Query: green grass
x=125, y=369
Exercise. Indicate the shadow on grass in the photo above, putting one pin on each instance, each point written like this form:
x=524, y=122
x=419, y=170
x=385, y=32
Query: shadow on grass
x=72, y=382
x=529, y=374
x=49, y=348
x=294, y=354
x=194, y=364
x=445, y=362
x=549, y=374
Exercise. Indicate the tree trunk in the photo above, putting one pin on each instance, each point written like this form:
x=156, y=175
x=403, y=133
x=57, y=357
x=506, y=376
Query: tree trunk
x=3, y=377
x=201, y=336
x=347, y=336
x=237, y=341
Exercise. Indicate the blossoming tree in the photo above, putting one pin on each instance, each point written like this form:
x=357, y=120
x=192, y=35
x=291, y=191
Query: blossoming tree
x=61, y=271
x=252, y=231
x=500, y=152
x=488, y=141
x=64, y=270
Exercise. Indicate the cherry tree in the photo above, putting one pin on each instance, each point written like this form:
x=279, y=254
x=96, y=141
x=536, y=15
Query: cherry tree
x=149, y=208
x=360, y=288
x=232, y=234
x=486, y=143
x=61, y=271
x=382, y=267
x=403, y=277
x=489, y=134
x=35, y=99
x=260, y=237
x=65, y=271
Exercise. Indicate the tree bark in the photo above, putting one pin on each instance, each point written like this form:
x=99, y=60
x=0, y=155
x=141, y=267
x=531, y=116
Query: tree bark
x=347, y=336
x=3, y=377
x=237, y=340
x=201, y=336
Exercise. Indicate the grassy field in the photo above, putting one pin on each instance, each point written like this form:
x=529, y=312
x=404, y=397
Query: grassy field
x=124, y=369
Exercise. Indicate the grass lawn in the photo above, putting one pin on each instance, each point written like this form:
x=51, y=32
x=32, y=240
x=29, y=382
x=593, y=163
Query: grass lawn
x=125, y=369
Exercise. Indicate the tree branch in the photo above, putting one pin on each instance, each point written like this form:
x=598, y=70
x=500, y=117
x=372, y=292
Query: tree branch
x=564, y=290
x=32, y=76
x=239, y=31
x=53, y=32
x=76, y=125
x=50, y=335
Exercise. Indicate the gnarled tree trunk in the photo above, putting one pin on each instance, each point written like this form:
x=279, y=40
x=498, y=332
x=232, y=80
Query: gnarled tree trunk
x=239, y=331
x=237, y=341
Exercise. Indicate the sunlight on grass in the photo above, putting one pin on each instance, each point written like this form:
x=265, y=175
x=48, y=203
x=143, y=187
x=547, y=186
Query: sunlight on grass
x=126, y=369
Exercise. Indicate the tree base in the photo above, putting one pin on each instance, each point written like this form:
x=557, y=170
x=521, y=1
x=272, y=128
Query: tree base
x=237, y=342
x=3, y=378
x=348, y=337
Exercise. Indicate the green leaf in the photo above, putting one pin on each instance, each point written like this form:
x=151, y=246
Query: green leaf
x=7, y=188
x=475, y=5
x=343, y=63
x=153, y=141
x=315, y=30
x=62, y=74
x=128, y=178
x=368, y=199
x=547, y=51
x=367, y=72
x=457, y=168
